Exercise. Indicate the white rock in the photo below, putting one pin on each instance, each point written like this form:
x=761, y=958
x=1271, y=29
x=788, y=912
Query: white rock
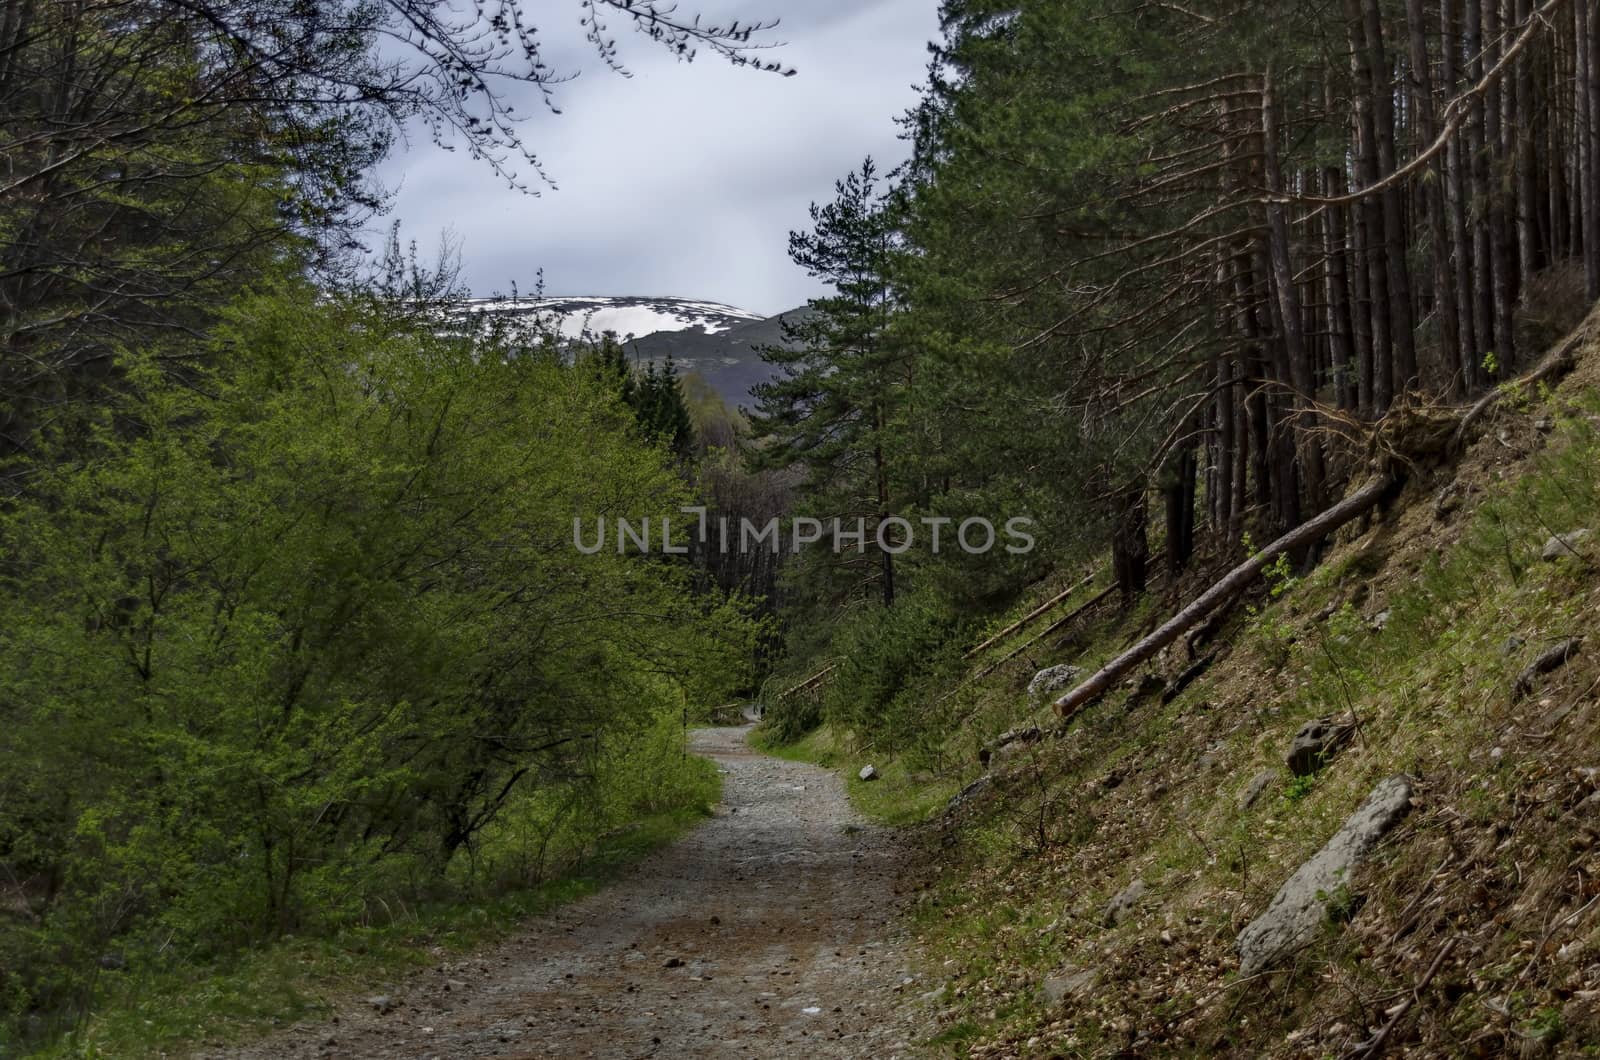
x=1051, y=680
x=1564, y=545
x=1300, y=907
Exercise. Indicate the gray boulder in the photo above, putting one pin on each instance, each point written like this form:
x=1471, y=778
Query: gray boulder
x=1548, y=661
x=1256, y=788
x=1301, y=906
x=1564, y=545
x=1051, y=680
x=1070, y=983
x=868, y=773
x=1317, y=741
x=1123, y=903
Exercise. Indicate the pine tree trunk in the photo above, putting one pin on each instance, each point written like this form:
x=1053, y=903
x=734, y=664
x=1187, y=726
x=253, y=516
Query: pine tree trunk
x=1296, y=355
x=1336, y=290
x=886, y=560
x=1178, y=492
x=1528, y=198
x=1456, y=165
x=1444, y=291
x=1477, y=150
x=1585, y=119
x=1224, y=416
x=1373, y=241
x=1495, y=141
x=1400, y=375
x=1130, y=545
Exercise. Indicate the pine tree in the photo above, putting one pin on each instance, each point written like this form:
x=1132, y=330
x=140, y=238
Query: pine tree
x=830, y=410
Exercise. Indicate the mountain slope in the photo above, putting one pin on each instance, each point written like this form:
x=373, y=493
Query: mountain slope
x=719, y=342
x=729, y=360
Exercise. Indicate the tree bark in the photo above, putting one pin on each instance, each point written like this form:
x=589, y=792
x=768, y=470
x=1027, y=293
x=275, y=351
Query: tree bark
x=1482, y=298
x=1130, y=545
x=1401, y=374
x=1296, y=352
x=1495, y=141
x=1374, y=243
x=1584, y=105
x=1528, y=198
x=1336, y=291
x=1444, y=290
x=1178, y=491
x=1461, y=243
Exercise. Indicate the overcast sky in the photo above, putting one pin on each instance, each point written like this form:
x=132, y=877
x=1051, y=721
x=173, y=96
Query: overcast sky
x=686, y=178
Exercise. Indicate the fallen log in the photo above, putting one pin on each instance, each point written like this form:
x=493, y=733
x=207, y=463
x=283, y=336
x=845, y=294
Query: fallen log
x=1030, y=642
x=1234, y=581
x=808, y=682
x=1064, y=620
x=1029, y=617
x=1061, y=622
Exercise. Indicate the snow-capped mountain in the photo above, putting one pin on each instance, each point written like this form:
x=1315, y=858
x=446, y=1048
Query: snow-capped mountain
x=716, y=341
x=626, y=317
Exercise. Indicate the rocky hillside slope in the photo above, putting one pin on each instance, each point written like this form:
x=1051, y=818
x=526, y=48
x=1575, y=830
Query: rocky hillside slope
x=1359, y=815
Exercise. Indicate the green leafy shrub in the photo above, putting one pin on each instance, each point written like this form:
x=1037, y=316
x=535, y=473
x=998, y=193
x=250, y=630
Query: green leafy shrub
x=284, y=638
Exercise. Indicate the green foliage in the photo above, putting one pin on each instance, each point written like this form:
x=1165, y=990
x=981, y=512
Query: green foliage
x=288, y=636
x=1300, y=787
x=881, y=689
x=830, y=413
x=655, y=394
x=156, y=1011
x=790, y=718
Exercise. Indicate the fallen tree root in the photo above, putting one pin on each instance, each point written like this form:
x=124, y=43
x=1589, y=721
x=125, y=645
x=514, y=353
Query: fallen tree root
x=1233, y=582
x=1548, y=661
x=1176, y=686
x=1374, y=1045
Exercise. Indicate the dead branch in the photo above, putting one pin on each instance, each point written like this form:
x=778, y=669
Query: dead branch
x=1042, y=609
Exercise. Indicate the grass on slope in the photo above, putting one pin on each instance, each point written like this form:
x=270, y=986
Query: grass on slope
x=1418, y=624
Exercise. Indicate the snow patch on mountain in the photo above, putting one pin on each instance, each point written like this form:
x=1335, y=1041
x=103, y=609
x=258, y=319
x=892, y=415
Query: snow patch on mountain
x=576, y=315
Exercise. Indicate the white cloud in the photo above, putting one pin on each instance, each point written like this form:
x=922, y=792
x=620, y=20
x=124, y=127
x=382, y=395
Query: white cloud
x=686, y=178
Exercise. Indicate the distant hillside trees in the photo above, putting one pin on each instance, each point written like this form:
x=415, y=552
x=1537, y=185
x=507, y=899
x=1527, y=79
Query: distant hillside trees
x=655, y=394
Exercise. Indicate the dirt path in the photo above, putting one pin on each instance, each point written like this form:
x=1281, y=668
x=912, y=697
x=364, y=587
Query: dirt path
x=769, y=931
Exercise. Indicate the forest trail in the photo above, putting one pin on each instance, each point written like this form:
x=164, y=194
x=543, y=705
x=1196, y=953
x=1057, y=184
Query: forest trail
x=771, y=930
